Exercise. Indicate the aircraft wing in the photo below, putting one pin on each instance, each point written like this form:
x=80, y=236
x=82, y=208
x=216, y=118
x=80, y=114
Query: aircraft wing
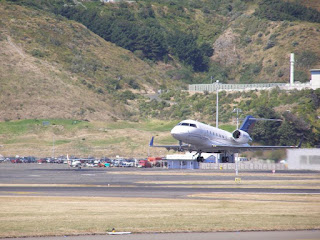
x=181, y=147
x=237, y=149
x=261, y=148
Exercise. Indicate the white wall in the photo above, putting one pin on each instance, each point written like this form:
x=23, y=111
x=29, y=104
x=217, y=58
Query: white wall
x=182, y=164
x=304, y=159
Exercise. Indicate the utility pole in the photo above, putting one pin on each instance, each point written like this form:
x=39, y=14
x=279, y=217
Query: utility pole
x=237, y=110
x=217, y=104
x=53, y=147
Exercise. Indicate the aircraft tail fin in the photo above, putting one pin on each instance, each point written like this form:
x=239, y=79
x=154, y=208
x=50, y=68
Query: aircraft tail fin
x=249, y=122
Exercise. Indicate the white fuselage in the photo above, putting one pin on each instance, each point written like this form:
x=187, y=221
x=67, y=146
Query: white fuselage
x=204, y=136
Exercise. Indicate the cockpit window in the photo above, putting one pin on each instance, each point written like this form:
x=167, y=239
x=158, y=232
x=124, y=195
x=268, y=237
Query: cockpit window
x=187, y=124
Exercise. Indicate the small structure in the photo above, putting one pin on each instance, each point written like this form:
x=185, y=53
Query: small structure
x=291, y=69
x=315, y=78
x=303, y=159
x=182, y=161
x=189, y=160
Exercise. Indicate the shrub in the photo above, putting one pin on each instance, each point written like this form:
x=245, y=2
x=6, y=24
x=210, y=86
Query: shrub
x=37, y=53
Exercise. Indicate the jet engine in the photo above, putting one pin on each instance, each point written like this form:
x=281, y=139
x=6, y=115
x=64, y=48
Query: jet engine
x=241, y=136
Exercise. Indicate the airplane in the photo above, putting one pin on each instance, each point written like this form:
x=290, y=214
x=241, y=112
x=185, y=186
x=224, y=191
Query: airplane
x=194, y=136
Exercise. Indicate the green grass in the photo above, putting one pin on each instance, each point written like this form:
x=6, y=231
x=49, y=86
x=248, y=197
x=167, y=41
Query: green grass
x=156, y=125
x=17, y=127
x=229, y=128
x=166, y=140
x=109, y=141
x=21, y=127
x=61, y=142
x=148, y=125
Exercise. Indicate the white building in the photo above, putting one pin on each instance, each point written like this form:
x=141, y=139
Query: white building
x=182, y=161
x=315, y=78
x=304, y=159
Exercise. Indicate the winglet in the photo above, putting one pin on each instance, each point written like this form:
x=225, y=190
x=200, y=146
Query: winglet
x=151, y=142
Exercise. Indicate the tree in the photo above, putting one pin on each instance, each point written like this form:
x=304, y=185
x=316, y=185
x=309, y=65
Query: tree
x=152, y=43
x=185, y=47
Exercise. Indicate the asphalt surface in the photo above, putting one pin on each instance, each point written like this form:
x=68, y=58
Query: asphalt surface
x=60, y=180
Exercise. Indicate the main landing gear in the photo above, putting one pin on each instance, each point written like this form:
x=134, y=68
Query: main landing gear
x=199, y=158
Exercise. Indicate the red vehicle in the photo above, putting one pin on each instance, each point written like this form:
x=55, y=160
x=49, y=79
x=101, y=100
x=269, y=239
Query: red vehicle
x=156, y=161
x=16, y=160
x=145, y=163
x=42, y=160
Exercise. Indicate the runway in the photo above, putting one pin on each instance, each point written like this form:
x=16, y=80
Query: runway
x=139, y=191
x=60, y=180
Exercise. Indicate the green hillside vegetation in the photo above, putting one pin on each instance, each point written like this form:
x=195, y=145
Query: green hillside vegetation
x=278, y=11
x=251, y=39
x=52, y=67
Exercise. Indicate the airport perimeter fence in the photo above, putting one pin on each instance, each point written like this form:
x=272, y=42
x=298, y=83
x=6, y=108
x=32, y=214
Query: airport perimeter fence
x=244, y=166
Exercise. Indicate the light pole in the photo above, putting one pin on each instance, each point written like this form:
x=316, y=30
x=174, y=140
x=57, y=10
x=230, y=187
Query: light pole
x=217, y=104
x=53, y=147
x=237, y=110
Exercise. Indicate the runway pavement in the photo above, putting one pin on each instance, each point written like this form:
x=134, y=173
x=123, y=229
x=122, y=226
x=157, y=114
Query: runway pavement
x=60, y=180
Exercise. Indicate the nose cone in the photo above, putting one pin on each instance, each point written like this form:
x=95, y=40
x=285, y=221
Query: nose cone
x=175, y=132
x=180, y=133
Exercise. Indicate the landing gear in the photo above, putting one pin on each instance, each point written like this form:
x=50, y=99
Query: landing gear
x=228, y=157
x=225, y=159
x=199, y=158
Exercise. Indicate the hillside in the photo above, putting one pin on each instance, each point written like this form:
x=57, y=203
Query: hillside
x=255, y=50
x=85, y=60
x=53, y=67
x=234, y=41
